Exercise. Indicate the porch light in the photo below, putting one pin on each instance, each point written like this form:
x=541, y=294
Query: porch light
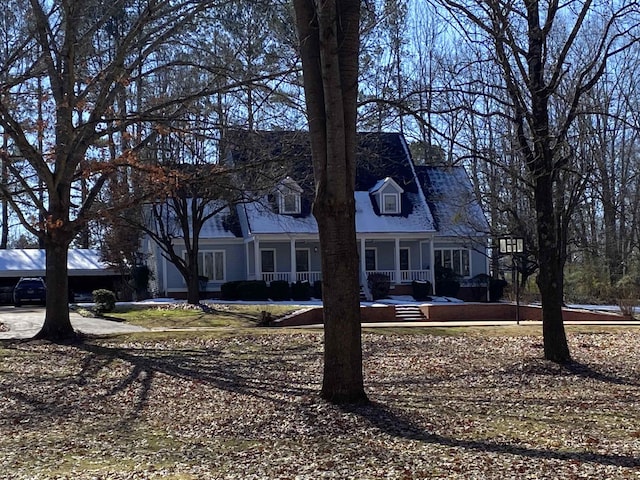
x=510, y=245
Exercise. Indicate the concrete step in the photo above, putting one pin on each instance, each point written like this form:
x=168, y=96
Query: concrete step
x=409, y=313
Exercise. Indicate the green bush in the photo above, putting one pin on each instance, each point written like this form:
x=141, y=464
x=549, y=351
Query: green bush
x=421, y=290
x=588, y=282
x=317, y=289
x=104, y=300
x=627, y=291
x=253, y=290
x=140, y=276
x=447, y=282
x=279, y=290
x=379, y=285
x=496, y=289
x=229, y=290
x=301, y=291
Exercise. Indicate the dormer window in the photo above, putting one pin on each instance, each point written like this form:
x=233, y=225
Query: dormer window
x=289, y=197
x=391, y=203
x=388, y=195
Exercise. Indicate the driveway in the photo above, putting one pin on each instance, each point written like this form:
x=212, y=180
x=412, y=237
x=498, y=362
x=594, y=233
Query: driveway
x=25, y=322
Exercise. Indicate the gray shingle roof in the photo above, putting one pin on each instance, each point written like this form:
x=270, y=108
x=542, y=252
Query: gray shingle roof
x=452, y=201
x=435, y=198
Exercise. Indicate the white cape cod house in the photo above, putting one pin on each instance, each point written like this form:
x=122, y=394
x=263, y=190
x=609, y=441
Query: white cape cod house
x=409, y=219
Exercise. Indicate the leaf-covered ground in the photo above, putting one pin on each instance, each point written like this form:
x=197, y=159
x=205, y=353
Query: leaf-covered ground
x=246, y=406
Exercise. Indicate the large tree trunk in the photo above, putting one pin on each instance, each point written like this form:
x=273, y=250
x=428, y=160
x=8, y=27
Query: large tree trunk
x=342, y=380
x=193, y=286
x=329, y=44
x=550, y=276
x=57, y=324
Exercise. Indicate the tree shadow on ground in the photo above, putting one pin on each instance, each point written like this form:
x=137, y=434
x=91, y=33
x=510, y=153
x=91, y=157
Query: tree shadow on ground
x=587, y=371
x=540, y=367
x=256, y=374
x=399, y=425
x=239, y=375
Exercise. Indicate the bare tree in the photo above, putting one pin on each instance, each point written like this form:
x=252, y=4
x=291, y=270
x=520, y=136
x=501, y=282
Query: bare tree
x=83, y=54
x=546, y=74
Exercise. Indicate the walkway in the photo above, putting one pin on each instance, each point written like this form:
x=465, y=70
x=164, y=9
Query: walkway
x=25, y=322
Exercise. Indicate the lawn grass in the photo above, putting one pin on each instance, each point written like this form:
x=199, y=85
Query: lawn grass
x=186, y=316
x=243, y=403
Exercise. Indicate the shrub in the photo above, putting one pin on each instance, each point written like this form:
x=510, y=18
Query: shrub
x=588, y=282
x=379, y=285
x=265, y=319
x=447, y=282
x=628, y=291
x=317, y=289
x=279, y=290
x=253, y=290
x=229, y=290
x=496, y=289
x=105, y=300
x=141, y=275
x=301, y=291
x=448, y=288
x=421, y=290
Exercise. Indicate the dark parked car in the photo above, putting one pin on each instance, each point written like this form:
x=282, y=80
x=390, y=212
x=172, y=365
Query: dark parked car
x=30, y=290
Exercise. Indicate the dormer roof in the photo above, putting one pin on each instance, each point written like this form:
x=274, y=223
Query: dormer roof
x=289, y=183
x=388, y=196
x=381, y=184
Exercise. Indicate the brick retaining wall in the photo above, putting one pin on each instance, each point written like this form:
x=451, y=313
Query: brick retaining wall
x=454, y=312
x=507, y=311
x=313, y=316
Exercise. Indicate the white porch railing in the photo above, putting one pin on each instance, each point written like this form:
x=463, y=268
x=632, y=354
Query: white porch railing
x=299, y=276
x=406, y=276
x=389, y=273
x=273, y=276
x=411, y=275
x=310, y=277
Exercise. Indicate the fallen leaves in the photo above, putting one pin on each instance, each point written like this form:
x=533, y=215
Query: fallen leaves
x=247, y=406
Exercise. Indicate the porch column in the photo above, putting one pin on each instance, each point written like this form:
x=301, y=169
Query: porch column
x=165, y=277
x=363, y=263
x=397, y=262
x=256, y=257
x=246, y=255
x=432, y=262
x=292, y=251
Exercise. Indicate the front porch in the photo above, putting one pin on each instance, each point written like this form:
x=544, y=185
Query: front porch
x=402, y=260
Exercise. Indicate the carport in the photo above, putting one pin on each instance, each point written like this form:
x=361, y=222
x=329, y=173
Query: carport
x=87, y=272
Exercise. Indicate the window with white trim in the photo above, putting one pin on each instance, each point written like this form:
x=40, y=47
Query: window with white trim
x=390, y=203
x=289, y=202
x=211, y=264
x=404, y=259
x=456, y=259
x=268, y=260
x=370, y=262
x=289, y=193
x=302, y=260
